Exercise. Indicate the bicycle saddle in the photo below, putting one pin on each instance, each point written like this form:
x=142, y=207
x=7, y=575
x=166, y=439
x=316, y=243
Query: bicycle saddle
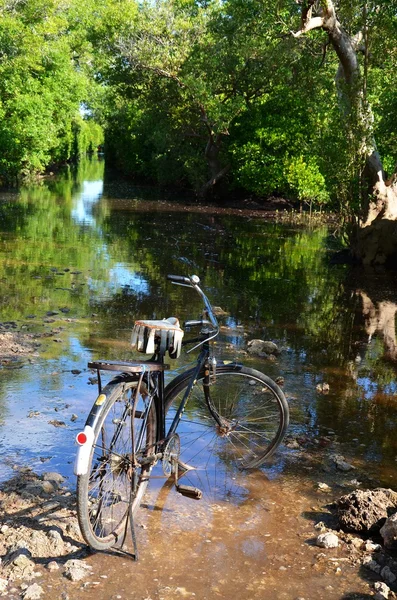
x=166, y=335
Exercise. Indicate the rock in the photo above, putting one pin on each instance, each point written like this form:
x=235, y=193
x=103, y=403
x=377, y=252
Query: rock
x=33, y=413
x=366, y=511
x=52, y=565
x=389, y=532
x=388, y=575
x=54, y=534
x=327, y=540
x=291, y=443
x=371, y=564
x=323, y=388
x=3, y=585
x=20, y=564
x=57, y=423
x=323, y=487
x=52, y=476
x=75, y=569
x=260, y=347
x=75, y=371
x=39, y=488
x=74, y=417
x=357, y=542
x=341, y=464
x=33, y=592
x=382, y=590
x=370, y=546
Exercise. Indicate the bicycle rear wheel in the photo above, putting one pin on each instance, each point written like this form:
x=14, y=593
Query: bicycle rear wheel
x=118, y=469
x=243, y=424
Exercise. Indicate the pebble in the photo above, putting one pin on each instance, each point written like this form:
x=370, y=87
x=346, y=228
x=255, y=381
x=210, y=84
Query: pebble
x=327, y=540
x=76, y=569
x=52, y=565
x=57, y=423
x=381, y=590
x=388, y=575
x=33, y=592
x=323, y=487
x=53, y=476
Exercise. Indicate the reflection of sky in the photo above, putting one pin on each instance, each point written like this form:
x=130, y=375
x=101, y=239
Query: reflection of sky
x=84, y=201
x=120, y=275
x=370, y=387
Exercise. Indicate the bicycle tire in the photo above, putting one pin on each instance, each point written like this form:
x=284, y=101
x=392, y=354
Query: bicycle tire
x=105, y=491
x=254, y=409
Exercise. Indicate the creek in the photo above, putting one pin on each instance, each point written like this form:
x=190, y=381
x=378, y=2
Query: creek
x=82, y=256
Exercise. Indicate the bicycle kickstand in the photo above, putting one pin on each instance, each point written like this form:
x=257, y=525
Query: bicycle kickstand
x=130, y=521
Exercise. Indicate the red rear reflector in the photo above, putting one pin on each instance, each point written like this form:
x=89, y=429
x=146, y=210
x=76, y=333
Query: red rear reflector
x=81, y=438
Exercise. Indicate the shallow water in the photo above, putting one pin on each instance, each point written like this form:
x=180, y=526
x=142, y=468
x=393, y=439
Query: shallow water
x=83, y=256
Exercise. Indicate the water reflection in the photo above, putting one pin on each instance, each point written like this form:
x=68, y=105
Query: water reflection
x=85, y=200
x=80, y=260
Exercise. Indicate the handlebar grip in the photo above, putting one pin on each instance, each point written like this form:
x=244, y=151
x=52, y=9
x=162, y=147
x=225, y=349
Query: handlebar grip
x=179, y=279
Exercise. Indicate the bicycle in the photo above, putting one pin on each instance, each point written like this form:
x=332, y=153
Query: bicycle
x=133, y=423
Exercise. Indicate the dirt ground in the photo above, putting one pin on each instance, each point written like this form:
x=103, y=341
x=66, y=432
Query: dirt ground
x=264, y=546
x=258, y=542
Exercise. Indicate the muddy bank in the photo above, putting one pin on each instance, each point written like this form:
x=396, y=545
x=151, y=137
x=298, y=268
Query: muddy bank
x=282, y=538
x=16, y=346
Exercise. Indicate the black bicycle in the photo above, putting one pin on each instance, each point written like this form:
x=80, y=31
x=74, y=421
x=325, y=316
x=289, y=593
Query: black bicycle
x=215, y=412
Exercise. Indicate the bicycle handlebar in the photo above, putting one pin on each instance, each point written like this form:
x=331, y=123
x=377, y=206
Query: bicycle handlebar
x=193, y=282
x=179, y=279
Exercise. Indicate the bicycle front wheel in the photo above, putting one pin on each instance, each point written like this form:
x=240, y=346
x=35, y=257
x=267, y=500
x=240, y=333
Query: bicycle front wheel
x=242, y=424
x=118, y=469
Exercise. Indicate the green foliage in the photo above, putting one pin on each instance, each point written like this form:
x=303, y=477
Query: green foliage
x=188, y=90
x=306, y=181
x=42, y=84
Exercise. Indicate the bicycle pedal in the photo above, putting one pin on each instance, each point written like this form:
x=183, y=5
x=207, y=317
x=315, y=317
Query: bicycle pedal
x=189, y=491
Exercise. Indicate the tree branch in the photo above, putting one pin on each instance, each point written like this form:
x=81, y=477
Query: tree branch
x=313, y=23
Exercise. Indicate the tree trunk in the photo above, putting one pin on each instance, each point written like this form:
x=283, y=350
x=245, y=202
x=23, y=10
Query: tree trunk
x=375, y=241
x=217, y=172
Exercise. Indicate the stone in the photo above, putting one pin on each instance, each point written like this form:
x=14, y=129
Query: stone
x=370, y=546
x=342, y=464
x=389, y=532
x=371, y=564
x=52, y=565
x=33, y=592
x=260, y=347
x=3, y=585
x=76, y=569
x=23, y=562
x=53, y=476
x=381, y=591
x=39, y=488
x=365, y=511
x=327, y=540
x=323, y=487
x=388, y=575
x=357, y=542
x=323, y=388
